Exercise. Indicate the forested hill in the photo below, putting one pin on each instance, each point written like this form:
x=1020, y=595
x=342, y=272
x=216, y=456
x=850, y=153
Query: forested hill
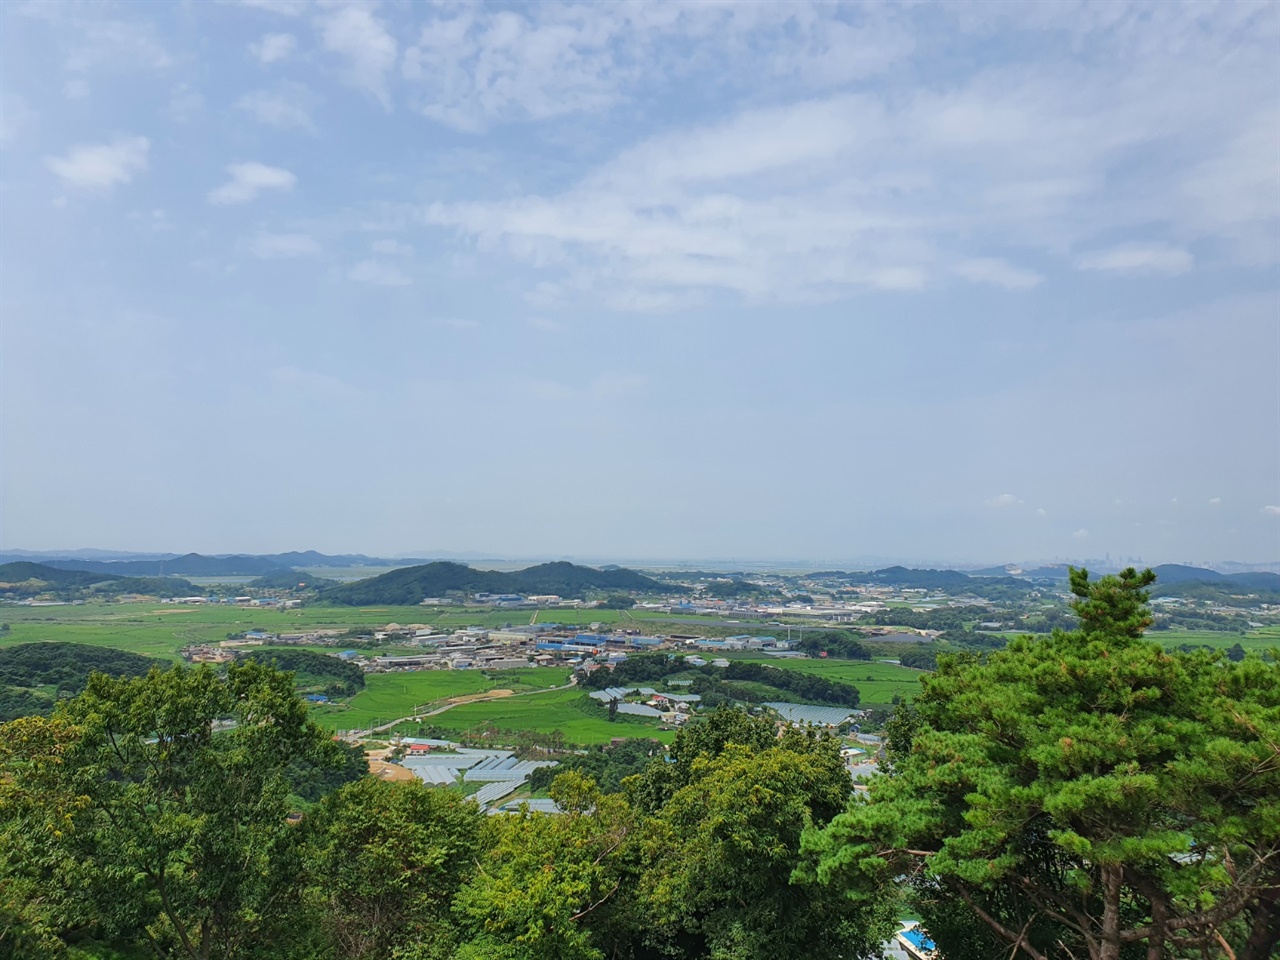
x=190, y=565
x=23, y=580
x=29, y=669
x=411, y=585
x=1170, y=573
x=951, y=580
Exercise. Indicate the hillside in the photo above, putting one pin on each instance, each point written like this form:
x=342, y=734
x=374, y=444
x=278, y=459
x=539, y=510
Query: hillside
x=28, y=670
x=410, y=585
x=23, y=579
x=189, y=565
x=291, y=580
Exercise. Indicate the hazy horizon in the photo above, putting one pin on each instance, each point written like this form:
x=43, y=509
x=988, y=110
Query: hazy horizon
x=970, y=283
x=479, y=558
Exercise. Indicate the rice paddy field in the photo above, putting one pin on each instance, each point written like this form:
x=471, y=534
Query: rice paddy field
x=569, y=711
x=877, y=683
x=389, y=696
x=162, y=630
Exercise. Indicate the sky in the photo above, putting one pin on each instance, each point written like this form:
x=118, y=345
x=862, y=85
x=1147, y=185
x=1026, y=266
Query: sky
x=957, y=282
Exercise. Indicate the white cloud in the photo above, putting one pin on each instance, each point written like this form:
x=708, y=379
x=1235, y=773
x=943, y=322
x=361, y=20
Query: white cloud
x=278, y=246
x=392, y=248
x=1139, y=258
x=460, y=323
x=473, y=66
x=112, y=44
x=1113, y=156
x=1214, y=501
x=285, y=8
x=102, y=165
x=271, y=47
x=998, y=273
x=379, y=273
x=362, y=40
x=1040, y=511
x=250, y=179
x=1271, y=511
x=546, y=325
x=1081, y=534
x=1003, y=500
x=286, y=107
x=76, y=88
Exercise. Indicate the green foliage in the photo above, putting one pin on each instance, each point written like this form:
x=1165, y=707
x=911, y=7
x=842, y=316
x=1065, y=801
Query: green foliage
x=807, y=686
x=608, y=766
x=1087, y=792
x=837, y=644
x=410, y=585
x=64, y=666
x=131, y=814
x=310, y=779
x=338, y=677
x=729, y=840
x=384, y=862
x=23, y=580
x=618, y=601
x=550, y=882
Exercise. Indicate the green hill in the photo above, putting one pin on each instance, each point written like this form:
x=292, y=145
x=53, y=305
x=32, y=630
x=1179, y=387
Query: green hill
x=22, y=580
x=33, y=675
x=410, y=585
x=291, y=580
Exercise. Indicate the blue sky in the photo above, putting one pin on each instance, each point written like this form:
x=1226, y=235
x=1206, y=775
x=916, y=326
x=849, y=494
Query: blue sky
x=946, y=282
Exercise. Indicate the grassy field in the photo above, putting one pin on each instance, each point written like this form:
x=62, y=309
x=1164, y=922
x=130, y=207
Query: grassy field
x=562, y=710
x=388, y=696
x=1256, y=640
x=877, y=683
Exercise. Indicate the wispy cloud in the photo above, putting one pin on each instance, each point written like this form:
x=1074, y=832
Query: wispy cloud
x=363, y=42
x=271, y=47
x=1139, y=258
x=102, y=165
x=392, y=248
x=471, y=67
x=1271, y=511
x=250, y=179
x=999, y=273
x=379, y=273
x=287, y=106
x=1003, y=500
x=280, y=246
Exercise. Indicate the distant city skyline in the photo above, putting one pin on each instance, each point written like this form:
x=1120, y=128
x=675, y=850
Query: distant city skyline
x=946, y=281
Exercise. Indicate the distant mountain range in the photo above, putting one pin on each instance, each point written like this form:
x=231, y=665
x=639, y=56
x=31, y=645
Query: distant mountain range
x=411, y=585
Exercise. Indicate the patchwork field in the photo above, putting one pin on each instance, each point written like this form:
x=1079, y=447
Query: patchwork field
x=563, y=710
x=877, y=683
x=389, y=696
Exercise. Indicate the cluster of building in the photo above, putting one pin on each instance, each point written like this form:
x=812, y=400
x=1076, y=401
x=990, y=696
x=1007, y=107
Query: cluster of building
x=286, y=602
x=544, y=644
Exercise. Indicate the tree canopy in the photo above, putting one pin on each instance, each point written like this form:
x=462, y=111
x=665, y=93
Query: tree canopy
x=1086, y=794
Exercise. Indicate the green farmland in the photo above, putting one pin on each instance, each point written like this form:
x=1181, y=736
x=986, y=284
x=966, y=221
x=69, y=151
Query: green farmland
x=569, y=711
x=389, y=696
x=877, y=683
